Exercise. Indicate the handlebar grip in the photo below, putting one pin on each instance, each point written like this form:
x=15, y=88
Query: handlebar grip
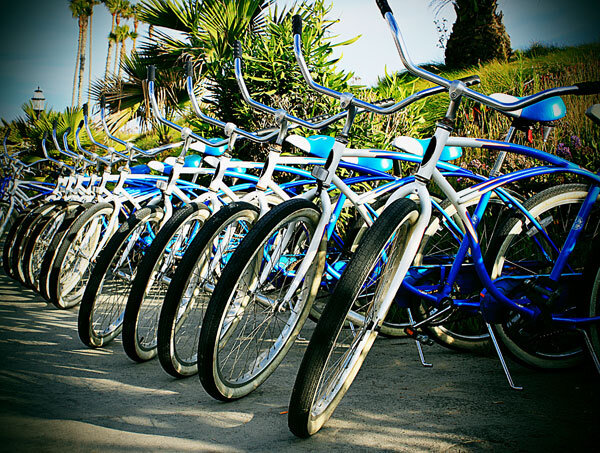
x=471, y=80
x=297, y=24
x=54, y=123
x=85, y=109
x=68, y=131
x=80, y=124
x=151, y=73
x=587, y=88
x=383, y=7
x=102, y=100
x=45, y=136
x=237, y=49
x=189, y=68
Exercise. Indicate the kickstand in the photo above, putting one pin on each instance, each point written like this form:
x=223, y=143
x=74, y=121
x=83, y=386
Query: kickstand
x=418, y=343
x=588, y=343
x=501, y=357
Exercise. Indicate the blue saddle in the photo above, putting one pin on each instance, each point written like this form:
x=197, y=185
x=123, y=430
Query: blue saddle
x=209, y=150
x=140, y=169
x=550, y=109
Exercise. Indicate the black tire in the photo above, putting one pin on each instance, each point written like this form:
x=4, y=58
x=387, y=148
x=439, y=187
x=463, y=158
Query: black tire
x=591, y=278
x=37, y=243
x=43, y=280
x=9, y=242
x=73, y=262
x=28, y=224
x=150, y=285
x=103, y=303
x=224, y=329
x=191, y=287
x=337, y=340
x=520, y=250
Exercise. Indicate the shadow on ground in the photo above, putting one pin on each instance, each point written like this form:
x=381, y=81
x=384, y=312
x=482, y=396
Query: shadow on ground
x=56, y=394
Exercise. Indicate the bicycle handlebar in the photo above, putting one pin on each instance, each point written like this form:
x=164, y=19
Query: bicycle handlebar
x=228, y=127
x=279, y=114
x=349, y=98
x=57, y=162
x=128, y=145
x=458, y=88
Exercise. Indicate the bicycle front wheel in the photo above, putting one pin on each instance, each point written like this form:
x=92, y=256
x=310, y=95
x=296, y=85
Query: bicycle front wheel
x=103, y=304
x=339, y=344
x=193, y=284
x=250, y=324
x=152, y=279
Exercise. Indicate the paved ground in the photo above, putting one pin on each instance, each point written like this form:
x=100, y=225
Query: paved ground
x=56, y=395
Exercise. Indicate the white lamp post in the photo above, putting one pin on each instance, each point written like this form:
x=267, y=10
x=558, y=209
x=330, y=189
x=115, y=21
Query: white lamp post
x=37, y=101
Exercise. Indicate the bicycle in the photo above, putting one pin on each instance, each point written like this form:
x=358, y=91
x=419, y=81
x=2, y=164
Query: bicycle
x=339, y=345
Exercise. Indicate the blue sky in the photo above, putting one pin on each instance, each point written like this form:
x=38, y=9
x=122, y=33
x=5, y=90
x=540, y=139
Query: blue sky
x=38, y=39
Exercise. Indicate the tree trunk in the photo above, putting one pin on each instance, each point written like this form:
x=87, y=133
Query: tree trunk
x=76, y=64
x=123, y=55
x=90, y=58
x=478, y=35
x=117, y=54
x=110, y=49
x=82, y=58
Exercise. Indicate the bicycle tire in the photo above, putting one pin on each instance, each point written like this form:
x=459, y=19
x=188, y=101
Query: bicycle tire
x=27, y=226
x=185, y=303
x=147, y=290
x=328, y=339
x=9, y=242
x=543, y=345
x=43, y=282
x=37, y=243
x=220, y=336
x=100, y=321
x=66, y=287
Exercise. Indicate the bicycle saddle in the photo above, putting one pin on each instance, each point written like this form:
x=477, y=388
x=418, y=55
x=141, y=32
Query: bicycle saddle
x=550, y=109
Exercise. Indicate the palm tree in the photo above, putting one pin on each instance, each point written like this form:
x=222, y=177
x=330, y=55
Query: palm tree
x=91, y=4
x=478, y=34
x=78, y=12
x=116, y=8
x=135, y=14
x=122, y=33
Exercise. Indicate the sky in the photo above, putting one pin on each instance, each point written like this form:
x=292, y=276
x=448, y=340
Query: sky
x=38, y=40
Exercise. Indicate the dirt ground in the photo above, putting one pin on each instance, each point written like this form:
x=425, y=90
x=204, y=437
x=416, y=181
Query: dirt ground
x=57, y=395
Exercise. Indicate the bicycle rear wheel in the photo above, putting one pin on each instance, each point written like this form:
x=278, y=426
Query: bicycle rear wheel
x=521, y=259
x=103, y=304
x=339, y=344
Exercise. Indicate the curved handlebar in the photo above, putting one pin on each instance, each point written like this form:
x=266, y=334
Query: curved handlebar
x=278, y=113
x=457, y=88
x=94, y=156
x=80, y=157
x=229, y=128
x=57, y=162
x=349, y=98
x=55, y=140
x=130, y=146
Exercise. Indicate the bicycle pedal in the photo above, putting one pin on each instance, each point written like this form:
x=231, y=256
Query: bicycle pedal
x=421, y=338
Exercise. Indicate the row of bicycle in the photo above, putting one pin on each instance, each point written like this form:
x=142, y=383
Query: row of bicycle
x=216, y=272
